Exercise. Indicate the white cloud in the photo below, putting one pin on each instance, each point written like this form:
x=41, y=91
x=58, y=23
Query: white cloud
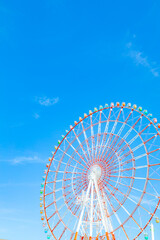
x=18, y=184
x=45, y=101
x=129, y=44
x=16, y=219
x=24, y=159
x=36, y=115
x=150, y=202
x=140, y=59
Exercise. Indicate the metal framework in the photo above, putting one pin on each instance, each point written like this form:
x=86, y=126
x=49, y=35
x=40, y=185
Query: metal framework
x=102, y=181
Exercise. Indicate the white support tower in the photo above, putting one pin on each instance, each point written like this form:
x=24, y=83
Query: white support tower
x=93, y=219
x=152, y=231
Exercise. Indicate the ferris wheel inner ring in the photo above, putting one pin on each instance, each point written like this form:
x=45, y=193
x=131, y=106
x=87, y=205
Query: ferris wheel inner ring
x=105, y=178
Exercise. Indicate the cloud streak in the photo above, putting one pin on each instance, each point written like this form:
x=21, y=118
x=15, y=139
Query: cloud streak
x=45, y=101
x=36, y=115
x=21, y=220
x=24, y=159
x=139, y=58
x=18, y=184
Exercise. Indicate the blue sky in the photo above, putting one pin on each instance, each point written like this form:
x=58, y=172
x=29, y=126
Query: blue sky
x=59, y=59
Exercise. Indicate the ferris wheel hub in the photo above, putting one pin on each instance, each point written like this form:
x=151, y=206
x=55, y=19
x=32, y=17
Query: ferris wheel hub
x=95, y=172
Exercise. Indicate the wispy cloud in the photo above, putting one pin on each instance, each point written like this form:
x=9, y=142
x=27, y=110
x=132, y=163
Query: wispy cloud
x=21, y=220
x=149, y=202
x=24, y=159
x=45, y=101
x=36, y=115
x=140, y=58
x=18, y=184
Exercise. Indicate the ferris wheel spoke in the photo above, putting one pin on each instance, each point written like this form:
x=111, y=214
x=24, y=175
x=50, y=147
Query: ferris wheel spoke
x=73, y=195
x=92, y=138
x=72, y=158
x=51, y=216
x=65, y=213
x=116, y=189
x=137, y=147
x=124, y=170
x=125, y=232
x=105, y=131
x=151, y=138
x=113, y=152
x=63, y=232
x=117, y=217
x=111, y=134
x=144, y=129
x=80, y=144
x=131, y=113
x=127, y=134
x=53, y=201
x=79, y=173
x=118, y=152
x=133, y=139
x=70, y=220
x=72, y=235
x=140, y=178
x=76, y=151
x=70, y=164
x=155, y=150
x=120, y=159
x=136, y=203
x=139, y=190
x=129, y=169
x=50, y=204
x=157, y=194
x=154, y=139
x=114, y=112
x=47, y=194
x=114, y=212
x=107, y=145
x=137, y=121
x=86, y=140
x=154, y=179
x=54, y=181
x=153, y=165
x=111, y=149
x=98, y=135
x=155, y=157
x=123, y=163
x=130, y=215
x=67, y=179
x=124, y=124
x=113, y=143
x=155, y=172
x=67, y=186
x=130, y=152
x=112, y=163
x=118, y=147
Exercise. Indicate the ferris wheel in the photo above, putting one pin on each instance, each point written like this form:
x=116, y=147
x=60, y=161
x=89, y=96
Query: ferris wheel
x=103, y=180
